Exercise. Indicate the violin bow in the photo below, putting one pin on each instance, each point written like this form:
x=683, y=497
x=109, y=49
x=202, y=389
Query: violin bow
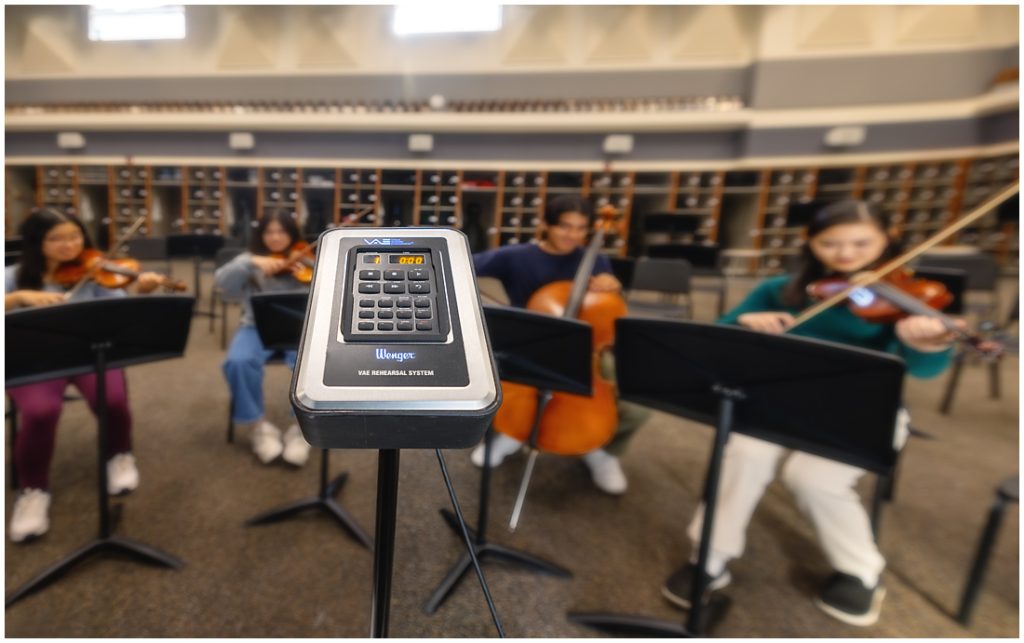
x=867, y=278
x=123, y=239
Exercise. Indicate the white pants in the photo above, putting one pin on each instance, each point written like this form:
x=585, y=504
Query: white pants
x=824, y=491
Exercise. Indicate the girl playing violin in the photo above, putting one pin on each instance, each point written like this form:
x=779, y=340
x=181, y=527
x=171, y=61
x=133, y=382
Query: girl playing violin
x=522, y=270
x=843, y=238
x=262, y=269
x=51, y=240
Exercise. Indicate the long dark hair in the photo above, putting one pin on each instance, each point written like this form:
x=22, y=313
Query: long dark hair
x=35, y=227
x=256, y=245
x=811, y=269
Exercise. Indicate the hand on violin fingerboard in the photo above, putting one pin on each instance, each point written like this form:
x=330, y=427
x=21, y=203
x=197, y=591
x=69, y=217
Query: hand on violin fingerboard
x=770, y=322
x=148, y=282
x=925, y=334
x=604, y=282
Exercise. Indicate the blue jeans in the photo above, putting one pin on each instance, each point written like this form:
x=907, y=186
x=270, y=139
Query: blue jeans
x=243, y=369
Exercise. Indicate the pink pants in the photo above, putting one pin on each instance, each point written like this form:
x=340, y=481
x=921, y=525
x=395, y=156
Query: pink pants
x=39, y=406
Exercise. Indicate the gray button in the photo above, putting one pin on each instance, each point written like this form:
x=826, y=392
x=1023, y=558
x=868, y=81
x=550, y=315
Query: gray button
x=366, y=303
x=405, y=325
x=423, y=325
x=419, y=288
x=385, y=326
x=365, y=314
x=404, y=302
x=371, y=275
x=396, y=288
x=419, y=274
x=369, y=288
x=365, y=325
x=385, y=314
x=394, y=275
x=422, y=302
x=423, y=313
x=405, y=314
x=386, y=302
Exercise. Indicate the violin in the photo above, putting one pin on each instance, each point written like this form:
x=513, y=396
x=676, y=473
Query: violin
x=299, y=254
x=108, y=273
x=898, y=296
x=563, y=423
x=915, y=294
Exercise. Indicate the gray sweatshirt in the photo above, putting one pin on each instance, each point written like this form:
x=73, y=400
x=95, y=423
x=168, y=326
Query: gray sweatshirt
x=240, y=278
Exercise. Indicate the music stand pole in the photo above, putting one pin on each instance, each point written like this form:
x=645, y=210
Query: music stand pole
x=384, y=546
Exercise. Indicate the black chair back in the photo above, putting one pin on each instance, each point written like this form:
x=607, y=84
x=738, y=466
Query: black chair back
x=662, y=275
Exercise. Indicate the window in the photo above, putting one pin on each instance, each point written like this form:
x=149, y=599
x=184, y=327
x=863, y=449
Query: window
x=136, y=22
x=446, y=17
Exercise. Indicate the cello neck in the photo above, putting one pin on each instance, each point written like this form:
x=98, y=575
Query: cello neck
x=582, y=278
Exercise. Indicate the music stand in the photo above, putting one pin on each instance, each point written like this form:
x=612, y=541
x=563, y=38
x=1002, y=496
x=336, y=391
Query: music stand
x=279, y=317
x=92, y=337
x=552, y=354
x=197, y=247
x=779, y=388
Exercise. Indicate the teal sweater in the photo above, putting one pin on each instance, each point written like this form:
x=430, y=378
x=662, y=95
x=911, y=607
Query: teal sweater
x=838, y=324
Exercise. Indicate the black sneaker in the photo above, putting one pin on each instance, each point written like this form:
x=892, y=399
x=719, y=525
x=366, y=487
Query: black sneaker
x=846, y=598
x=679, y=586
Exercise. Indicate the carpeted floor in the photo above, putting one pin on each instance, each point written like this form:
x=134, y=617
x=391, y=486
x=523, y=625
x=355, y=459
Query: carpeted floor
x=306, y=577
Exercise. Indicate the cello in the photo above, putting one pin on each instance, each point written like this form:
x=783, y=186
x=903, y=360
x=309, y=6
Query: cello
x=563, y=423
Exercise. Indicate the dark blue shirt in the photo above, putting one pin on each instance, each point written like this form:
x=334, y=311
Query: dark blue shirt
x=525, y=268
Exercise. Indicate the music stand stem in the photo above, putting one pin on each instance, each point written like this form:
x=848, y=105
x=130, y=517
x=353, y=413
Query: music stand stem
x=482, y=548
x=323, y=501
x=384, y=546
x=105, y=542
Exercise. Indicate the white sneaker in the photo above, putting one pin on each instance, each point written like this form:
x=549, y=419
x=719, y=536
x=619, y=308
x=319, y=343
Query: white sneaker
x=502, y=447
x=296, y=449
x=122, y=474
x=266, y=442
x=606, y=472
x=30, y=516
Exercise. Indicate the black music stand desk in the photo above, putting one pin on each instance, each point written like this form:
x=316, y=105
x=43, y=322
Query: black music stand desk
x=92, y=337
x=551, y=353
x=823, y=398
x=279, y=317
x=197, y=247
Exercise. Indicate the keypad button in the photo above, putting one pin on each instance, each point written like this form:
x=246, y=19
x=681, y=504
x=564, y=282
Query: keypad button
x=394, y=275
x=423, y=325
x=404, y=302
x=365, y=314
x=370, y=275
x=404, y=325
x=418, y=274
x=404, y=314
x=385, y=314
x=385, y=326
x=365, y=325
x=422, y=302
x=423, y=313
x=396, y=288
x=366, y=303
x=369, y=288
x=386, y=302
x=421, y=288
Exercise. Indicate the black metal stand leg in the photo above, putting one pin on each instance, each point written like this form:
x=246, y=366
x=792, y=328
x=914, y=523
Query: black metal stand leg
x=980, y=564
x=482, y=548
x=951, y=384
x=384, y=547
x=705, y=611
x=993, y=379
x=323, y=501
x=105, y=543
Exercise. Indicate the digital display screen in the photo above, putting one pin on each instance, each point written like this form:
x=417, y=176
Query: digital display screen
x=408, y=260
x=371, y=258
